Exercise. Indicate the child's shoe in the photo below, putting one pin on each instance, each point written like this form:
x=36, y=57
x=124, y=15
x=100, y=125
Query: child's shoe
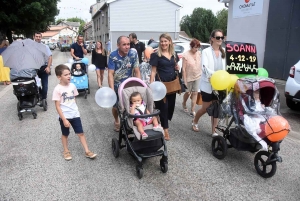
x=67, y=156
x=158, y=128
x=90, y=155
x=144, y=136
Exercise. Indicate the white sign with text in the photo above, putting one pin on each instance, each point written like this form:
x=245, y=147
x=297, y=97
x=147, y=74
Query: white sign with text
x=244, y=8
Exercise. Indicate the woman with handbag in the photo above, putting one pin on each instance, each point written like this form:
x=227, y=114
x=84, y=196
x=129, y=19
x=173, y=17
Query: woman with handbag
x=191, y=72
x=164, y=65
x=213, y=59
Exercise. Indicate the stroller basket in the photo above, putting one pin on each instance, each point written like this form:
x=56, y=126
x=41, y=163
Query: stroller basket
x=24, y=87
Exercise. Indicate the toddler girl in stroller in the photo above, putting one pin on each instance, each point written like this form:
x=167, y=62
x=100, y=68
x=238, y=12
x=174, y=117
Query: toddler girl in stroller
x=130, y=136
x=138, y=107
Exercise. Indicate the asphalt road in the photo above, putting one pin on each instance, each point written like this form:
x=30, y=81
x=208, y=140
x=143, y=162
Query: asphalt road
x=32, y=166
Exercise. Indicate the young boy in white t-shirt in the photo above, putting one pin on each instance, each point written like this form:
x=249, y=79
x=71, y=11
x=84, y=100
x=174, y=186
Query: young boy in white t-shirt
x=64, y=96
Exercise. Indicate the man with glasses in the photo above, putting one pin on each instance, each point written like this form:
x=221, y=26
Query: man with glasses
x=44, y=71
x=78, y=49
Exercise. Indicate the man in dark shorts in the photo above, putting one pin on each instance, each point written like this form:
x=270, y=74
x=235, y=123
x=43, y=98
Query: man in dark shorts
x=139, y=46
x=78, y=49
x=122, y=63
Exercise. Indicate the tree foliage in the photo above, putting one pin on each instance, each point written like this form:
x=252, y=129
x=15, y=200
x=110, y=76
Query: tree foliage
x=202, y=22
x=26, y=16
x=74, y=19
x=222, y=17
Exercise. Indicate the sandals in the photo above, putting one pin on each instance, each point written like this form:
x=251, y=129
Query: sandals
x=185, y=109
x=195, y=127
x=193, y=114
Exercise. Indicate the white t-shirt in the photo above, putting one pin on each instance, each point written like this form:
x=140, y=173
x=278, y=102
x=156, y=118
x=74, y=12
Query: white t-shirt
x=66, y=96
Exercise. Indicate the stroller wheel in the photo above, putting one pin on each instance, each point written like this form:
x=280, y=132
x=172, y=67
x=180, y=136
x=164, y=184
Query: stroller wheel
x=44, y=103
x=115, y=147
x=20, y=117
x=163, y=166
x=219, y=147
x=139, y=171
x=262, y=165
x=34, y=115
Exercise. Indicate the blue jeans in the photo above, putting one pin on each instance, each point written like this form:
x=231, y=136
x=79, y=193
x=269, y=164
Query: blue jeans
x=44, y=81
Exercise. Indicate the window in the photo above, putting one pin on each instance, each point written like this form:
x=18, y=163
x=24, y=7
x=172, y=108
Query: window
x=106, y=14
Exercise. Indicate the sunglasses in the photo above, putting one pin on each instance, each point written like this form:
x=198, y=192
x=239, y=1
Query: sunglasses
x=219, y=37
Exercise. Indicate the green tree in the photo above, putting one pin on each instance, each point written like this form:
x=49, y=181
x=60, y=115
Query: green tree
x=222, y=18
x=185, y=25
x=199, y=24
x=202, y=23
x=81, y=21
x=26, y=16
x=59, y=21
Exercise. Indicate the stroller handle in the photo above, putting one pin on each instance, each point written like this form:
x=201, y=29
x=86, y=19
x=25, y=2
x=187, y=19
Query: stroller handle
x=155, y=113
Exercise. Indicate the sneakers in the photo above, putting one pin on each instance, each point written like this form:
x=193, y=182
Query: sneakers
x=67, y=156
x=144, y=136
x=90, y=155
x=215, y=135
x=158, y=128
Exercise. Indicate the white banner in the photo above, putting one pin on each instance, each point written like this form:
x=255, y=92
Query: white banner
x=244, y=8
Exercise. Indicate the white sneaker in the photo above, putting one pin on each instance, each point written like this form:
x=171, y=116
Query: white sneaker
x=215, y=135
x=158, y=128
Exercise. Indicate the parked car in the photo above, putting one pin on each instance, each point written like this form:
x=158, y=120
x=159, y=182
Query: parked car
x=52, y=46
x=65, y=47
x=181, y=47
x=292, y=88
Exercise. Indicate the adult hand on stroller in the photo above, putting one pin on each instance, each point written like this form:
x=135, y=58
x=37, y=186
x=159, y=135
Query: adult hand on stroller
x=66, y=123
x=47, y=70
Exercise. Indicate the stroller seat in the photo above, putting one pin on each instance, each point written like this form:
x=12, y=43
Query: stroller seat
x=145, y=92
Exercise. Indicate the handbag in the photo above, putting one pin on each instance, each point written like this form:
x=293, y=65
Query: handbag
x=173, y=86
x=214, y=109
x=199, y=99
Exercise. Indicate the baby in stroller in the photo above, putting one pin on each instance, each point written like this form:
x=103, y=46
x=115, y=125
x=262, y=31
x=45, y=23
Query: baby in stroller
x=138, y=107
x=78, y=70
x=135, y=95
x=254, y=108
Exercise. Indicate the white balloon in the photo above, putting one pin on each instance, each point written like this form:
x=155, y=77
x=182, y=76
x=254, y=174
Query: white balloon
x=69, y=65
x=159, y=90
x=92, y=67
x=105, y=97
x=71, y=61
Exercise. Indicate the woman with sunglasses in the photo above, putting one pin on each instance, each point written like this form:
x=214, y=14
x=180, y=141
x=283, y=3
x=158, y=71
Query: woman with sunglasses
x=213, y=59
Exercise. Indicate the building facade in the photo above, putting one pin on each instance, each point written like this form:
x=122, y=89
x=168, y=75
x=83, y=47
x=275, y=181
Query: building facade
x=148, y=19
x=273, y=26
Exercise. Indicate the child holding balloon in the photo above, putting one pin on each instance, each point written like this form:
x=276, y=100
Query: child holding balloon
x=64, y=96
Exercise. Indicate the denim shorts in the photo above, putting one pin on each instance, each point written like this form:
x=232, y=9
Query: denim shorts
x=75, y=123
x=100, y=68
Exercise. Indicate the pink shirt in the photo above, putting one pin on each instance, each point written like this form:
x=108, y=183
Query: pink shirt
x=192, y=64
x=66, y=96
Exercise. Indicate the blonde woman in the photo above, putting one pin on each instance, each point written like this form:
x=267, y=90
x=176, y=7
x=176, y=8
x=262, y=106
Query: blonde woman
x=191, y=72
x=164, y=64
x=99, y=59
x=213, y=59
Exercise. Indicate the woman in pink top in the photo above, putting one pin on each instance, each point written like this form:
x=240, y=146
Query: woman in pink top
x=191, y=72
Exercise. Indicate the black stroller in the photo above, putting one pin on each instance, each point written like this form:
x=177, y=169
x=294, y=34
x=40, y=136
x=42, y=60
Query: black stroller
x=255, y=129
x=26, y=90
x=140, y=149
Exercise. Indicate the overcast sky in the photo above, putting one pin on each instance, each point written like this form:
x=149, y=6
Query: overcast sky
x=80, y=8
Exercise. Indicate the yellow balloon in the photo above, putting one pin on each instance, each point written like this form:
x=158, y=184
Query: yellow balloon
x=220, y=80
x=233, y=79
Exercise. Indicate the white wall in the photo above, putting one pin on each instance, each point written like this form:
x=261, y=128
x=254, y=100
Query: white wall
x=144, y=15
x=250, y=29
